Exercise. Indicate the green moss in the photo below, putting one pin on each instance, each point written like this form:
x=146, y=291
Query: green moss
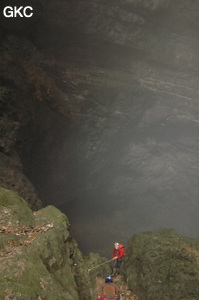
x=19, y=209
x=93, y=260
x=163, y=265
x=45, y=262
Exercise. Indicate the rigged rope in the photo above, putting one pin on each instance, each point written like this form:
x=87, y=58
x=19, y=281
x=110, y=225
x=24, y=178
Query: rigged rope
x=100, y=264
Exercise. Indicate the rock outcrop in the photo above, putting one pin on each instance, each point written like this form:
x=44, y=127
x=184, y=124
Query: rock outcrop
x=163, y=265
x=13, y=178
x=38, y=257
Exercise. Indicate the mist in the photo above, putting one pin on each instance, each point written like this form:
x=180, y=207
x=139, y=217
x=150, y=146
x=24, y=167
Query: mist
x=128, y=161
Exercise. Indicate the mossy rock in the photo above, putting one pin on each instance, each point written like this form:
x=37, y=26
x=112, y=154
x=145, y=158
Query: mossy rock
x=14, y=207
x=163, y=265
x=12, y=178
x=98, y=265
x=38, y=257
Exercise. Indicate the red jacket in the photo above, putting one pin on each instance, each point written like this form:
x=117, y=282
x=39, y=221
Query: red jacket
x=119, y=252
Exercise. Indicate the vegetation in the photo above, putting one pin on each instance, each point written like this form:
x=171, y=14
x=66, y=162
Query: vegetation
x=163, y=265
x=38, y=257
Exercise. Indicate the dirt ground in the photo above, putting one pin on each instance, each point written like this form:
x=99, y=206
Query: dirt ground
x=124, y=292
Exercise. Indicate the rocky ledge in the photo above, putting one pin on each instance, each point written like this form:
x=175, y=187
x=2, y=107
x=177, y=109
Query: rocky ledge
x=39, y=259
x=163, y=265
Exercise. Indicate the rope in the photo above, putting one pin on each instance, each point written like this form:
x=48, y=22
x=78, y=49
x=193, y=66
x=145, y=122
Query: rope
x=100, y=264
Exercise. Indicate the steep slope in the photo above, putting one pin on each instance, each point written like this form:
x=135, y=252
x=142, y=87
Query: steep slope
x=38, y=257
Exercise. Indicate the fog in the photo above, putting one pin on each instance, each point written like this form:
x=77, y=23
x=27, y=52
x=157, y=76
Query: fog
x=128, y=162
x=135, y=170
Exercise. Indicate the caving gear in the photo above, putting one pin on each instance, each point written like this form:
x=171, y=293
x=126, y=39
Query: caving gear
x=100, y=265
x=109, y=289
x=108, y=279
x=119, y=252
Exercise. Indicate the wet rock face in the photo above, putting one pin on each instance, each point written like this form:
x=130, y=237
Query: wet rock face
x=13, y=178
x=19, y=96
x=110, y=131
x=163, y=265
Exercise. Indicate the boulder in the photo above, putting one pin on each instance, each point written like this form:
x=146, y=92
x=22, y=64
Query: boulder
x=163, y=265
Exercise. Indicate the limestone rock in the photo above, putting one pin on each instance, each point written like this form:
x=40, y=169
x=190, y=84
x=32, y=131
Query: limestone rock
x=12, y=178
x=163, y=265
x=38, y=257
